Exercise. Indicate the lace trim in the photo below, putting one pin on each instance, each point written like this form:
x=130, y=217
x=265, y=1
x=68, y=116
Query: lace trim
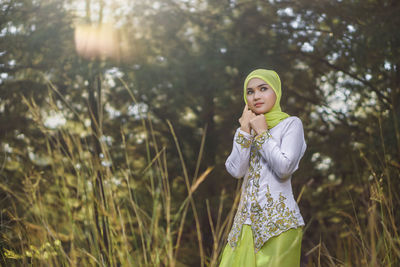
x=242, y=141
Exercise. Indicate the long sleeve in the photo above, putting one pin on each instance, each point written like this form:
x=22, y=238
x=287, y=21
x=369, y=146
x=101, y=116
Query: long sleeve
x=238, y=161
x=284, y=158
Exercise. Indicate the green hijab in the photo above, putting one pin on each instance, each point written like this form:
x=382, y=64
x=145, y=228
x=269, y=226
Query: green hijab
x=275, y=115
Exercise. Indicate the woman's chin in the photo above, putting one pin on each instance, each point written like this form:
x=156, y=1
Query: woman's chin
x=258, y=111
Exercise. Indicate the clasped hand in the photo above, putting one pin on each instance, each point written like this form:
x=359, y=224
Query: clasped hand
x=249, y=120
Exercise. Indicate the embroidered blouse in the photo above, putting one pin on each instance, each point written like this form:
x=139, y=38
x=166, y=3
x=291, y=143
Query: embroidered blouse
x=267, y=162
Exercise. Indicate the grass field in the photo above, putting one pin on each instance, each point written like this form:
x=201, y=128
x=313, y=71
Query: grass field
x=81, y=210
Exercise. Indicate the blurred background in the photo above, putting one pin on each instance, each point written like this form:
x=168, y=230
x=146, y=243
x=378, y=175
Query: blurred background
x=117, y=117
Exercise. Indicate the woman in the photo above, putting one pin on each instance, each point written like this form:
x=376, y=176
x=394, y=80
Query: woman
x=267, y=148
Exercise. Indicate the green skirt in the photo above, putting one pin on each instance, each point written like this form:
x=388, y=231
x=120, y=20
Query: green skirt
x=282, y=250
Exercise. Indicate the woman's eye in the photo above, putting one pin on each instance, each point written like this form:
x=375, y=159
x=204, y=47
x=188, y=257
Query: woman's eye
x=264, y=88
x=249, y=92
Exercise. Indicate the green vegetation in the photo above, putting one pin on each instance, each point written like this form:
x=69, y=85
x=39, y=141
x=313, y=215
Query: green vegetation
x=117, y=117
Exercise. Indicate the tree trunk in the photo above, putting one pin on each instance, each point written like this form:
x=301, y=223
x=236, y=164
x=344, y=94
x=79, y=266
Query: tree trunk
x=211, y=141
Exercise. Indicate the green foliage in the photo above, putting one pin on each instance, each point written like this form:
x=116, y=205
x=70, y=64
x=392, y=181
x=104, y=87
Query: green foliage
x=111, y=182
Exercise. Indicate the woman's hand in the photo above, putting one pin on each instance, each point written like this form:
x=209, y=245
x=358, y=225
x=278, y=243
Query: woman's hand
x=244, y=121
x=259, y=124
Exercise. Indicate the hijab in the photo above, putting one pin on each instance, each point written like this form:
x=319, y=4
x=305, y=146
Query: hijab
x=275, y=115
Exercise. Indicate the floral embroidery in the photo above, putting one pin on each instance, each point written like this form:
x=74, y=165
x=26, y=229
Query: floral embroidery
x=270, y=200
x=260, y=139
x=244, y=142
x=269, y=219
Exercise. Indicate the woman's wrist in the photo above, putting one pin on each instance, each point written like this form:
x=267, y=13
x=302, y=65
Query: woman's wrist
x=261, y=130
x=245, y=129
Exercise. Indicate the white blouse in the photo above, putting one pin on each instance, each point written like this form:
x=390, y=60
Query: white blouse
x=267, y=162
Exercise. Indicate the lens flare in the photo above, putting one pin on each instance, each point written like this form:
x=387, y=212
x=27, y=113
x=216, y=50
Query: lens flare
x=99, y=42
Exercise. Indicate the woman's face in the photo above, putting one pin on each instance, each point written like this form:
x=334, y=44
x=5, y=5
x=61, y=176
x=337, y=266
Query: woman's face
x=260, y=96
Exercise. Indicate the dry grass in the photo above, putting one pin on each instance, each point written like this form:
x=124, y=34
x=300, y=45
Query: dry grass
x=82, y=210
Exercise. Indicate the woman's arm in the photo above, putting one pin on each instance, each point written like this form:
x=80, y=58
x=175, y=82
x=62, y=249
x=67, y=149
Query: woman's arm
x=284, y=159
x=238, y=161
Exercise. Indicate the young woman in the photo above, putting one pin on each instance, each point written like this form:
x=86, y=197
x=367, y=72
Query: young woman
x=267, y=148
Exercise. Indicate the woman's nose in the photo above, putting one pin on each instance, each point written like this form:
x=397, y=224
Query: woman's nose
x=256, y=94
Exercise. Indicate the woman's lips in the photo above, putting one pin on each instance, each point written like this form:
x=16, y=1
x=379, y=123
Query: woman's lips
x=258, y=105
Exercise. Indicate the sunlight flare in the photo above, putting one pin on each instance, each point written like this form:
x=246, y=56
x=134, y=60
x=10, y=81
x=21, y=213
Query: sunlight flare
x=102, y=41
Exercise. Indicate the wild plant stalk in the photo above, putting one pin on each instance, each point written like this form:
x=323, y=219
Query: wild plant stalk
x=373, y=239
x=54, y=218
x=63, y=208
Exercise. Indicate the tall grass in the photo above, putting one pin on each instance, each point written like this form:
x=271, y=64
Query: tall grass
x=372, y=240
x=370, y=222
x=80, y=209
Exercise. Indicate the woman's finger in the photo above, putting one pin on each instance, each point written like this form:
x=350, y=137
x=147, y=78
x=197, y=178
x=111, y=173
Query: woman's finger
x=244, y=110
